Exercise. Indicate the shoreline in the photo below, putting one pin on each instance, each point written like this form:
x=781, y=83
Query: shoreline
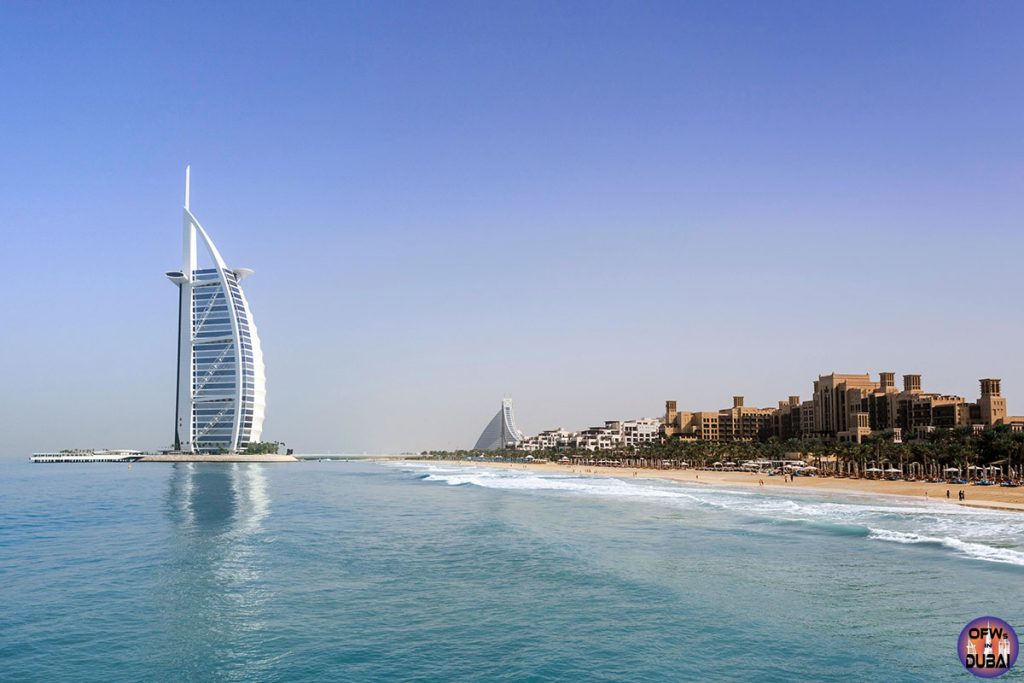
x=986, y=497
x=267, y=457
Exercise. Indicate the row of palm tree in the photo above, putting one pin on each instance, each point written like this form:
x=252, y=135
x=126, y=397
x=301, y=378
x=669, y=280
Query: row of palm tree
x=963, y=451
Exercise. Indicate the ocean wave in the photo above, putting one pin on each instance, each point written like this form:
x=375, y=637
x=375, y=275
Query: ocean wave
x=523, y=481
x=907, y=521
x=976, y=550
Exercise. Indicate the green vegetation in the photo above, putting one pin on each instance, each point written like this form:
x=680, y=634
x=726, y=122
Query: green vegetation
x=263, y=447
x=926, y=457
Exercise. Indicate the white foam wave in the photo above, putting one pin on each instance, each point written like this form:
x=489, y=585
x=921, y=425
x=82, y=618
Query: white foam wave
x=976, y=550
x=990, y=535
x=523, y=481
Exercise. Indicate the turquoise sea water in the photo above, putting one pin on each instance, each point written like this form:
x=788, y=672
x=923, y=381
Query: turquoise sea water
x=409, y=572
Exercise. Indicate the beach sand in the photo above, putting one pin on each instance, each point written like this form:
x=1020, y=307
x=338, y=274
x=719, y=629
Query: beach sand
x=995, y=497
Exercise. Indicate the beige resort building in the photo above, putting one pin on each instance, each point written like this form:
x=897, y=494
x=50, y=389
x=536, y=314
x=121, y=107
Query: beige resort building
x=846, y=407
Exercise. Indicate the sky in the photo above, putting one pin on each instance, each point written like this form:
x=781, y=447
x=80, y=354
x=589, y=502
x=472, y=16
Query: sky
x=590, y=207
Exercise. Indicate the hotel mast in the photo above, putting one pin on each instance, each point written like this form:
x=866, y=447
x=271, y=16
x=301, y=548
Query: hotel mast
x=221, y=382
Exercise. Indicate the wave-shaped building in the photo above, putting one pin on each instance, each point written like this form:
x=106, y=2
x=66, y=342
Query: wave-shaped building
x=501, y=432
x=221, y=379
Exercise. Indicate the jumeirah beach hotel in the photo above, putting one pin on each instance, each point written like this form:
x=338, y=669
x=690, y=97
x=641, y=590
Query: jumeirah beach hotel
x=221, y=381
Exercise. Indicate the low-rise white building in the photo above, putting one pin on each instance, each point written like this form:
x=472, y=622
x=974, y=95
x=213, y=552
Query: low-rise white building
x=600, y=438
x=613, y=434
x=641, y=431
x=556, y=438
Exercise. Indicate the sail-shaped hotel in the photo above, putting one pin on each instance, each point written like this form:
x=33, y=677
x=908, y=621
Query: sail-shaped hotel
x=221, y=382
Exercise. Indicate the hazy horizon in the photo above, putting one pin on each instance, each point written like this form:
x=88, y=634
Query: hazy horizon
x=589, y=208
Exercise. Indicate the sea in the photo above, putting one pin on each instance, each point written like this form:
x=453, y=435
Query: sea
x=418, y=571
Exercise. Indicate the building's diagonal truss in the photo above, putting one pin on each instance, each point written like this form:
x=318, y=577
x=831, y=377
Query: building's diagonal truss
x=221, y=380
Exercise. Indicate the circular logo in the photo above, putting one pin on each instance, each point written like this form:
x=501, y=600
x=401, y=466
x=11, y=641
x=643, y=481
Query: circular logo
x=987, y=647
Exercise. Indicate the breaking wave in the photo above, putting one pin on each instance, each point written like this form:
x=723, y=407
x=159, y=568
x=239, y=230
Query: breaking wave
x=978, y=551
x=977, y=534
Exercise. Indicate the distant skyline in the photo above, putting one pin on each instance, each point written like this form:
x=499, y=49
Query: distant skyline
x=589, y=207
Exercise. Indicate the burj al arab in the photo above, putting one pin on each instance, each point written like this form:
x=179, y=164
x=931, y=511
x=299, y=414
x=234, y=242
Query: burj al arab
x=221, y=381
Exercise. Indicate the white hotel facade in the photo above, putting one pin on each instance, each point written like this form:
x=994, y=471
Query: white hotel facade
x=614, y=433
x=221, y=394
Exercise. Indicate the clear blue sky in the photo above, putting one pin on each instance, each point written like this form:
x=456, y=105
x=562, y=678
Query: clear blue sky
x=591, y=207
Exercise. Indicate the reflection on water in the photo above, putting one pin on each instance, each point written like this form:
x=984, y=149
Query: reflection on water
x=215, y=498
x=216, y=587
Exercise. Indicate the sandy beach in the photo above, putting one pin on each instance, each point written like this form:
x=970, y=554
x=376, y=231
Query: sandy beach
x=995, y=497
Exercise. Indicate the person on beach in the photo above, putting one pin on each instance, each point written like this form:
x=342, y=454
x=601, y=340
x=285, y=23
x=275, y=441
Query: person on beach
x=947, y=494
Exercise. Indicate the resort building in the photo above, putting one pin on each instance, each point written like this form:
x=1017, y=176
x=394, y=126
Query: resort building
x=844, y=407
x=640, y=431
x=548, y=440
x=613, y=434
x=793, y=419
x=850, y=407
x=603, y=438
x=739, y=423
x=221, y=382
x=847, y=407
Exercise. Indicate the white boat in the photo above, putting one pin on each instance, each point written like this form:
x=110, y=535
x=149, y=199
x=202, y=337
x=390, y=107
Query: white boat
x=118, y=455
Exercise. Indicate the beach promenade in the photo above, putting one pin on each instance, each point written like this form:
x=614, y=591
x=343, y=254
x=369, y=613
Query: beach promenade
x=995, y=497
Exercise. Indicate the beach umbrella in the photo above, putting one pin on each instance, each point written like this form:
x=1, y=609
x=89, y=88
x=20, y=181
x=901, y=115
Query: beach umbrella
x=874, y=469
x=893, y=469
x=951, y=469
